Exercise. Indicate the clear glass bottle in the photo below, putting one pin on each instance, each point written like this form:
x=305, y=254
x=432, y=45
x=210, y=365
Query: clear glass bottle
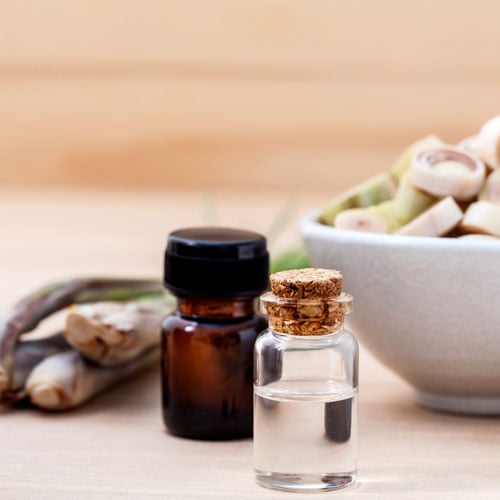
x=207, y=344
x=306, y=385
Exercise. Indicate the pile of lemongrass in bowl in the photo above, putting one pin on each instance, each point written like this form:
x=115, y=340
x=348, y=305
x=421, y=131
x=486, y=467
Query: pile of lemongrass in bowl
x=419, y=251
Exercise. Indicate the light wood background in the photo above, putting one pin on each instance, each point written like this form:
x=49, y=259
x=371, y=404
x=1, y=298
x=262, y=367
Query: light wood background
x=236, y=93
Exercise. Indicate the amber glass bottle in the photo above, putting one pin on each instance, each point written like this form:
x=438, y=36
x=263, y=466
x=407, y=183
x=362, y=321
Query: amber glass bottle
x=207, y=345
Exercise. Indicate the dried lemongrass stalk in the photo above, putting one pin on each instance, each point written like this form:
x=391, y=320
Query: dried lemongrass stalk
x=28, y=354
x=65, y=381
x=111, y=333
x=25, y=315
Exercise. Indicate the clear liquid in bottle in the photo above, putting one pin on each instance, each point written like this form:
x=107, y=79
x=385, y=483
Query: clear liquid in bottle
x=305, y=435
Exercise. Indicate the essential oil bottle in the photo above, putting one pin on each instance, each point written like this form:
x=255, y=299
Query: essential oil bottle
x=306, y=385
x=207, y=345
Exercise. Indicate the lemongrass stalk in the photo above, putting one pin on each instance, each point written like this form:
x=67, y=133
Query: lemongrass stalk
x=25, y=315
x=111, y=333
x=65, y=380
x=28, y=354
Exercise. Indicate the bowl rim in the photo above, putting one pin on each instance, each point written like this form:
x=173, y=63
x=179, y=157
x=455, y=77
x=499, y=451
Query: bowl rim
x=309, y=225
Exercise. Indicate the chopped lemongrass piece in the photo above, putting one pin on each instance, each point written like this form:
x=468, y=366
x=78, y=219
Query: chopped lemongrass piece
x=488, y=143
x=410, y=201
x=482, y=217
x=403, y=163
x=438, y=220
x=65, y=381
x=371, y=192
x=447, y=171
x=360, y=219
x=111, y=333
x=491, y=189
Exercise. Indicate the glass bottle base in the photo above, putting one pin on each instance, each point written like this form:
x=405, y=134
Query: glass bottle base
x=304, y=482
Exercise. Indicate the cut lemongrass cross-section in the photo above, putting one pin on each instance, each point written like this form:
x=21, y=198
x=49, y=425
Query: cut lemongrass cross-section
x=438, y=220
x=446, y=171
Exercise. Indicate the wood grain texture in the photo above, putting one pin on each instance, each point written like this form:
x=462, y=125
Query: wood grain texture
x=444, y=34
x=115, y=447
x=287, y=93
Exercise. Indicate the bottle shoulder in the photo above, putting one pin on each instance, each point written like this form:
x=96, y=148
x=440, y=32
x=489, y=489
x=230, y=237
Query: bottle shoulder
x=338, y=340
x=178, y=322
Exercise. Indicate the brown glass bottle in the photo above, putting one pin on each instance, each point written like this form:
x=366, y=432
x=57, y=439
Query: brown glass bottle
x=208, y=378
x=207, y=345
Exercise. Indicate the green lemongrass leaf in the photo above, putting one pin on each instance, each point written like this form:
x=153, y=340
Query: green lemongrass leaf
x=292, y=259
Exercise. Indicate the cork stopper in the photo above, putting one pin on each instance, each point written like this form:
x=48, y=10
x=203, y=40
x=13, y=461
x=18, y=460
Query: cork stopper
x=307, y=283
x=306, y=302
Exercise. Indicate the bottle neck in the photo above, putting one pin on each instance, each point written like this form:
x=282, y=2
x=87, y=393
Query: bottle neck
x=215, y=309
x=288, y=337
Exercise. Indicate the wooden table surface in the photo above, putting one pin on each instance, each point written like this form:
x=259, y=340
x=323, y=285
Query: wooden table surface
x=116, y=445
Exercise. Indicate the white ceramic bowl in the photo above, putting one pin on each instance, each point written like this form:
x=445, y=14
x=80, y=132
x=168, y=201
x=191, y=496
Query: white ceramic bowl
x=428, y=308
